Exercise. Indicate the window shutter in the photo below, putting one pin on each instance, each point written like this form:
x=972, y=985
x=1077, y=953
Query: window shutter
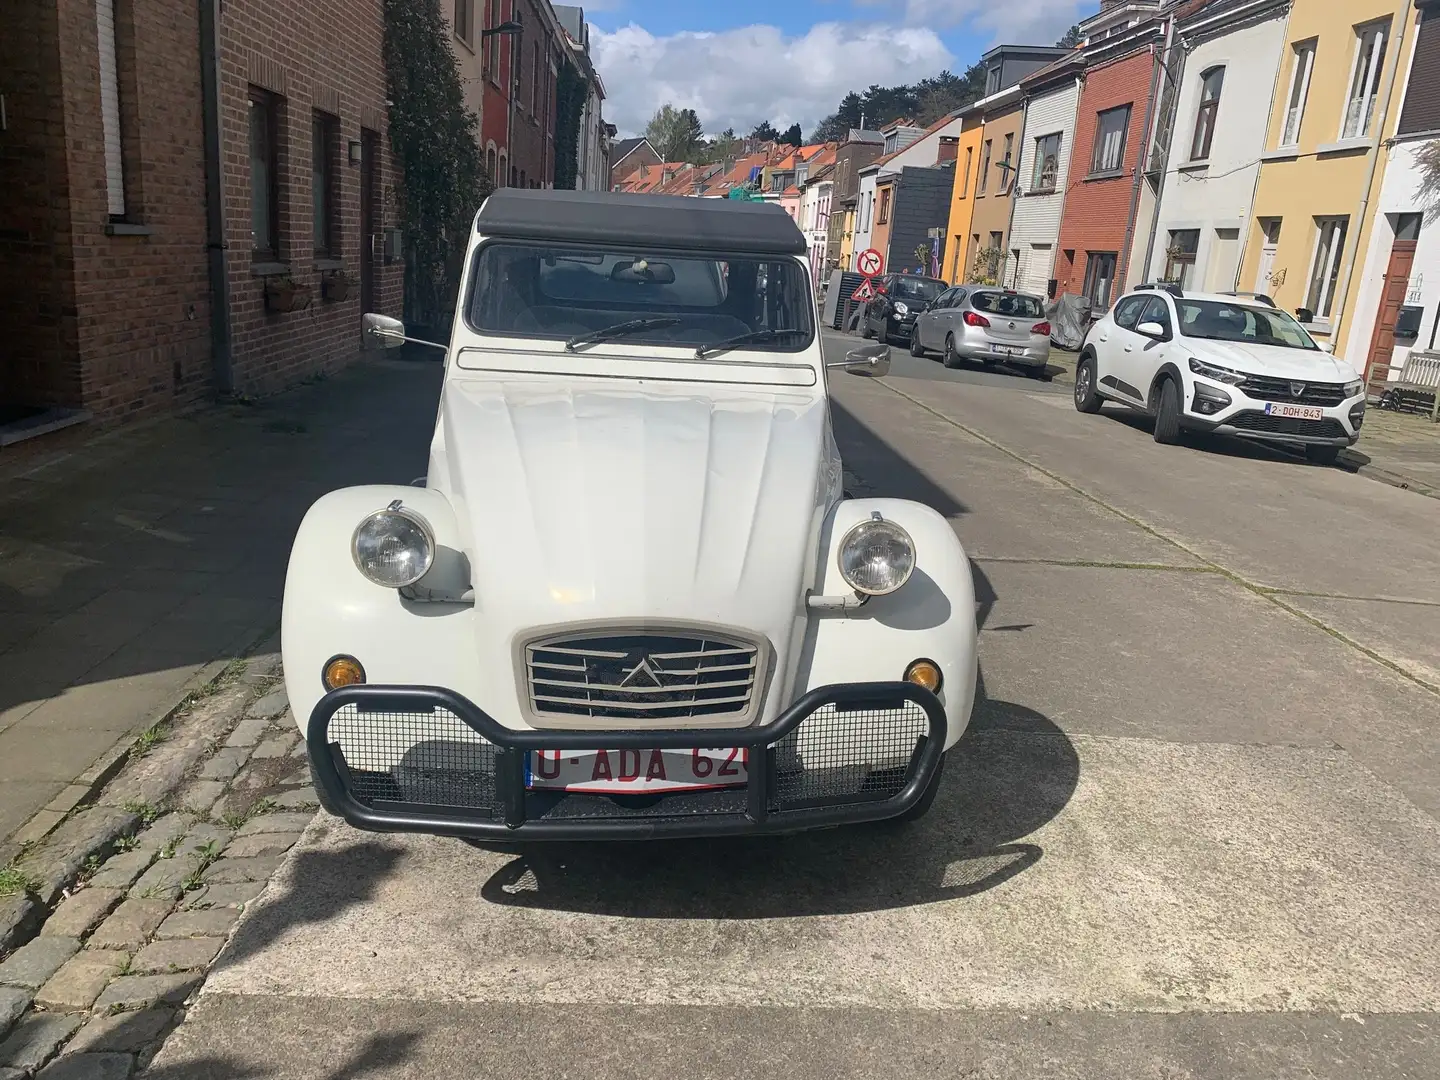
x=1422, y=95
x=110, y=107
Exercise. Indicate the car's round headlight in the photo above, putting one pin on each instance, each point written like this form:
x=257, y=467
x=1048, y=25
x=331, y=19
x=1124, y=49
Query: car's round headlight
x=393, y=547
x=876, y=557
x=902, y=308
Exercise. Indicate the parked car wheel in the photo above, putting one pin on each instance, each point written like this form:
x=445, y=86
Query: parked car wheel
x=1086, y=399
x=1167, y=414
x=950, y=359
x=1322, y=455
x=865, y=330
x=915, y=347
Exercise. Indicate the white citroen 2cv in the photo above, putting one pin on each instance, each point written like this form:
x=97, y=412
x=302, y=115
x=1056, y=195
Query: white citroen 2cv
x=631, y=599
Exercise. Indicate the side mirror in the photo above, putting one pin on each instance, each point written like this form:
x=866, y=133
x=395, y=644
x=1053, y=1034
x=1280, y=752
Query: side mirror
x=1326, y=346
x=872, y=361
x=389, y=332
x=1151, y=330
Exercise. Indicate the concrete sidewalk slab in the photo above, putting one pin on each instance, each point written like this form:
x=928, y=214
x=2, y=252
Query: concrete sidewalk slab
x=1405, y=634
x=1235, y=878
x=405, y=1040
x=130, y=563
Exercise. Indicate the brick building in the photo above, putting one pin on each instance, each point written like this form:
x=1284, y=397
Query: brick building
x=518, y=118
x=1105, y=178
x=118, y=114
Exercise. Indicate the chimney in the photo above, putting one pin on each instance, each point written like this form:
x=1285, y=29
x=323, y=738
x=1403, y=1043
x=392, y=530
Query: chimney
x=949, y=148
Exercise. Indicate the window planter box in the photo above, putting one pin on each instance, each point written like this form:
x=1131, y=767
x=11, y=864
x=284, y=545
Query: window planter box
x=284, y=294
x=337, y=286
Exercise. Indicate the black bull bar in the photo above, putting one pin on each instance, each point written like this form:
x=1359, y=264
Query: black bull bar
x=425, y=759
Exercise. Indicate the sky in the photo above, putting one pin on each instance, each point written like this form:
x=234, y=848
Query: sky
x=736, y=62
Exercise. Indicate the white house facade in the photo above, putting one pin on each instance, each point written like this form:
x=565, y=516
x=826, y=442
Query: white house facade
x=1217, y=141
x=1045, y=144
x=815, y=223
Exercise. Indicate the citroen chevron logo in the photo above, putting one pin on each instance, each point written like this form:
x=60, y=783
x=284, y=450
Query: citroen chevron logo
x=641, y=674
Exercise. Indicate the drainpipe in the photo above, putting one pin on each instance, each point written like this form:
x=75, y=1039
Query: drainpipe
x=220, y=356
x=1372, y=158
x=1122, y=274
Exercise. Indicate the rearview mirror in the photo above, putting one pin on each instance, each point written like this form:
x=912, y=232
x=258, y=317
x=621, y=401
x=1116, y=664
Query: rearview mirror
x=1151, y=329
x=644, y=272
x=389, y=332
x=872, y=361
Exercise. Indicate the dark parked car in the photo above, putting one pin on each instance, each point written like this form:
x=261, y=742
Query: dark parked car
x=890, y=315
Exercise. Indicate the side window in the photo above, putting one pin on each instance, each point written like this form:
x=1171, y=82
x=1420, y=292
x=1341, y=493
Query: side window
x=945, y=299
x=1158, y=311
x=958, y=300
x=1127, y=311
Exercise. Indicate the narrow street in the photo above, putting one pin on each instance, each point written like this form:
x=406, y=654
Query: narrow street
x=1192, y=831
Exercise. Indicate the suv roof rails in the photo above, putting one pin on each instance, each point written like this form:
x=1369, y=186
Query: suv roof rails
x=1164, y=286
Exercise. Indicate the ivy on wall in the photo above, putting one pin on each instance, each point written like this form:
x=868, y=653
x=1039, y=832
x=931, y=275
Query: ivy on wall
x=571, y=90
x=432, y=135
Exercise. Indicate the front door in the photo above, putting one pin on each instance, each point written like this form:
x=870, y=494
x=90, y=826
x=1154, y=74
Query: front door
x=1392, y=299
x=369, y=234
x=1271, y=244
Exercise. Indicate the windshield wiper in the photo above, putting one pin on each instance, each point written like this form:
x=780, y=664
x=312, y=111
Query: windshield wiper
x=629, y=326
x=754, y=337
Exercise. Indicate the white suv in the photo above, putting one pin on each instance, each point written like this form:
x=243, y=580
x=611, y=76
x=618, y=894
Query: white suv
x=1209, y=362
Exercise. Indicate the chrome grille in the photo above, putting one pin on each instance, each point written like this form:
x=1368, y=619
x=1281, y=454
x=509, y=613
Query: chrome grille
x=1311, y=393
x=650, y=676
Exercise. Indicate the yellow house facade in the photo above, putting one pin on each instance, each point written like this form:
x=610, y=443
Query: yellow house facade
x=845, y=219
x=1342, y=72
x=962, y=194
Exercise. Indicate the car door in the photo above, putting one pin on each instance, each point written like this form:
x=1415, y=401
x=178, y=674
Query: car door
x=1141, y=355
x=928, y=326
x=1111, y=338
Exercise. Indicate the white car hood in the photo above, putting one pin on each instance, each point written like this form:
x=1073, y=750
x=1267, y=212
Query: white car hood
x=628, y=502
x=1274, y=361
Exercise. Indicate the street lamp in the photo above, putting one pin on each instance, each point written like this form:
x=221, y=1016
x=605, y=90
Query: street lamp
x=509, y=26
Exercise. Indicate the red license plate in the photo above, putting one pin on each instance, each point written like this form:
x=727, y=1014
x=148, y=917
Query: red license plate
x=636, y=772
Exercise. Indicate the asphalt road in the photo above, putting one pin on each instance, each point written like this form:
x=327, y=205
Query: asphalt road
x=1192, y=831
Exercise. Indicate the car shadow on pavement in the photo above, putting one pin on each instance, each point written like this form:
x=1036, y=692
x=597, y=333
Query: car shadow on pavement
x=1011, y=772
x=1218, y=445
x=376, y=1054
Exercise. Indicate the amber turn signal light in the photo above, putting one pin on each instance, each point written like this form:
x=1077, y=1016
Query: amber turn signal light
x=925, y=673
x=342, y=671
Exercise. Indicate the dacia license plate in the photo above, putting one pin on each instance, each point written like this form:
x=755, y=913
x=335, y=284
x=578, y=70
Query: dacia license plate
x=1295, y=412
x=636, y=772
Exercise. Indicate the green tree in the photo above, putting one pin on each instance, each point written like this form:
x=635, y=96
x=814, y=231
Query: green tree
x=792, y=136
x=674, y=133
x=1072, y=38
x=432, y=135
x=765, y=130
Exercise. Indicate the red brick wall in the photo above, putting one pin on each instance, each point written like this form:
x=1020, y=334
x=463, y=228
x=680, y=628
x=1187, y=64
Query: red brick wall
x=526, y=133
x=307, y=54
x=119, y=323
x=1097, y=212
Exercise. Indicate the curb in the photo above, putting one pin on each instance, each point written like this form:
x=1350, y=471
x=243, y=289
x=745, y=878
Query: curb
x=34, y=842
x=1387, y=476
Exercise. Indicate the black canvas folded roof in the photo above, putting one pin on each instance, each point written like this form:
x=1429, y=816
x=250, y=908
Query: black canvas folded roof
x=624, y=220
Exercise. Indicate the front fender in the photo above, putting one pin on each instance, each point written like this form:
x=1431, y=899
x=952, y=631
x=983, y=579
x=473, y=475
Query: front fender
x=331, y=608
x=932, y=615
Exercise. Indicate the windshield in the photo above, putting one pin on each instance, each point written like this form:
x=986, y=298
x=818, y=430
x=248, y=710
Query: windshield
x=556, y=293
x=916, y=288
x=1011, y=304
x=1218, y=321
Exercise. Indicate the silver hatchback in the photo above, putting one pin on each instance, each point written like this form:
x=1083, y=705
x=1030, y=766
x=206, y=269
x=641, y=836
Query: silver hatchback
x=986, y=324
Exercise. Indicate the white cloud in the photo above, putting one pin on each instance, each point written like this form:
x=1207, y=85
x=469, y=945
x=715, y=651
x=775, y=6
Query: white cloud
x=736, y=78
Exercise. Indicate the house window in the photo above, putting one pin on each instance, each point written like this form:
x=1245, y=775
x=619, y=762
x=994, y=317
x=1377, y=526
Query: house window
x=1364, y=80
x=1180, y=256
x=514, y=177
x=1099, y=277
x=984, y=168
x=1007, y=167
x=884, y=215
x=522, y=178
x=965, y=176
x=490, y=165
x=492, y=43
x=110, y=108
x=1047, y=163
x=465, y=21
x=535, y=82
x=992, y=80
x=1300, y=69
x=324, y=151
x=1210, y=84
x=264, y=174
x=1110, y=128
x=1325, y=264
